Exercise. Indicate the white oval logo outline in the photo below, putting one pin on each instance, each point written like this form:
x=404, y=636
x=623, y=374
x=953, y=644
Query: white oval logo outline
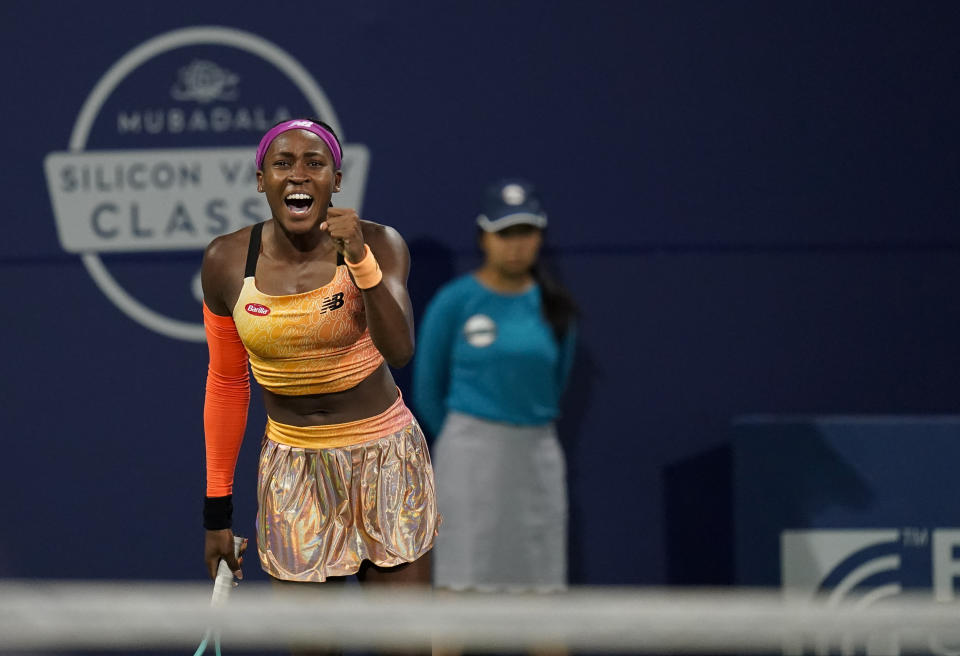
x=188, y=36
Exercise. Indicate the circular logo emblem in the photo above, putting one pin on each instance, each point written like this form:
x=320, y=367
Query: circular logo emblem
x=160, y=162
x=480, y=330
x=513, y=194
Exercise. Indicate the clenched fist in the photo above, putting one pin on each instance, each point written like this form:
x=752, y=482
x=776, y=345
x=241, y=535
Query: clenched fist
x=343, y=224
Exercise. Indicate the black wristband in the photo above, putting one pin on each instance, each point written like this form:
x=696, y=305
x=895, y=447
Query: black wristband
x=218, y=512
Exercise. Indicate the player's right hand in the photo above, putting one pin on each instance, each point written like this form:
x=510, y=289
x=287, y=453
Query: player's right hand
x=219, y=545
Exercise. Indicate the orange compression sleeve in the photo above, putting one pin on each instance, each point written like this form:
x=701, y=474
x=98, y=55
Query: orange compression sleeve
x=225, y=403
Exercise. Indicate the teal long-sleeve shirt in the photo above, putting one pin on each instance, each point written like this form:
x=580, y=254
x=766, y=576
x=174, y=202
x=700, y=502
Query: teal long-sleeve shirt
x=490, y=355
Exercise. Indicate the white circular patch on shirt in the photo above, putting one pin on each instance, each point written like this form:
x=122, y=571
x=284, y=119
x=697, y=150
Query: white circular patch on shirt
x=480, y=330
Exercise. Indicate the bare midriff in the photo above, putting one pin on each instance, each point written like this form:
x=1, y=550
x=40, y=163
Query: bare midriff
x=370, y=397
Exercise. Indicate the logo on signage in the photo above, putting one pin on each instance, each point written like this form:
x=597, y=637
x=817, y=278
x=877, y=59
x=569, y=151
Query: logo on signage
x=861, y=567
x=160, y=161
x=205, y=81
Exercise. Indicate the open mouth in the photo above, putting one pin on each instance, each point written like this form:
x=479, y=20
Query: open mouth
x=298, y=203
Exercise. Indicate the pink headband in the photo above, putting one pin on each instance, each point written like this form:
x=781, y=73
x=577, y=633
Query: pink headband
x=299, y=124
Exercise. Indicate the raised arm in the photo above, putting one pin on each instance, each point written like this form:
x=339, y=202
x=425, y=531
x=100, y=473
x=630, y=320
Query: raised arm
x=386, y=301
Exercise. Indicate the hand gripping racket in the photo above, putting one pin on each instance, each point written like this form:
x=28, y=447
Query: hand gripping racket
x=221, y=592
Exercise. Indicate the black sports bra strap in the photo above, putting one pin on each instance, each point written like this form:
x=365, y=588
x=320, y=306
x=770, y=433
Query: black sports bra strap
x=253, y=253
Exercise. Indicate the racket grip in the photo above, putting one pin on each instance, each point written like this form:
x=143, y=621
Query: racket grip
x=224, y=580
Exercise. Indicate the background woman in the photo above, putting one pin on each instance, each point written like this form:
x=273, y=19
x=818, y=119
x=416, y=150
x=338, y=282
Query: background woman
x=496, y=347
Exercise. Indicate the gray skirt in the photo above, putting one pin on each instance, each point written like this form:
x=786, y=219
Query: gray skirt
x=502, y=492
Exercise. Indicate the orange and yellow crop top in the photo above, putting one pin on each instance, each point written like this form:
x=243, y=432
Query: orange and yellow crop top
x=315, y=342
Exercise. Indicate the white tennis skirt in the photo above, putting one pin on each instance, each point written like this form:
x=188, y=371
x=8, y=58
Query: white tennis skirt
x=502, y=492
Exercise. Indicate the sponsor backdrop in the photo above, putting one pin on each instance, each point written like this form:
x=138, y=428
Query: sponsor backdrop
x=862, y=508
x=755, y=204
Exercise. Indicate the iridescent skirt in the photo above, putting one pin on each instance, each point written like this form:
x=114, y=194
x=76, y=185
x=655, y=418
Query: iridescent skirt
x=333, y=496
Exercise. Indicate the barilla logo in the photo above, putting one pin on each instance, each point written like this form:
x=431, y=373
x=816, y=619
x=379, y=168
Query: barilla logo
x=256, y=308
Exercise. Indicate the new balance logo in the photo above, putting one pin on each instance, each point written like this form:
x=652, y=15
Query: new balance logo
x=332, y=303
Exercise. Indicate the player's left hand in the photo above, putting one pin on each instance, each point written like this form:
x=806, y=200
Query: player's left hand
x=343, y=224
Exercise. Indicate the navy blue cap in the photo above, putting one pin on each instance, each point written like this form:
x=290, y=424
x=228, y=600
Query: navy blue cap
x=509, y=203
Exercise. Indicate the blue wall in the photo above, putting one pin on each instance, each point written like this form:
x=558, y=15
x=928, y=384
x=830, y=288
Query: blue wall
x=755, y=203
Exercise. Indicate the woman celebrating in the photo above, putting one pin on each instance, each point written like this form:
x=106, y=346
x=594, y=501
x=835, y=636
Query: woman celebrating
x=315, y=300
x=496, y=350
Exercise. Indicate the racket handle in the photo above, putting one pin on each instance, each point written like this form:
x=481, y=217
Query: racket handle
x=224, y=580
